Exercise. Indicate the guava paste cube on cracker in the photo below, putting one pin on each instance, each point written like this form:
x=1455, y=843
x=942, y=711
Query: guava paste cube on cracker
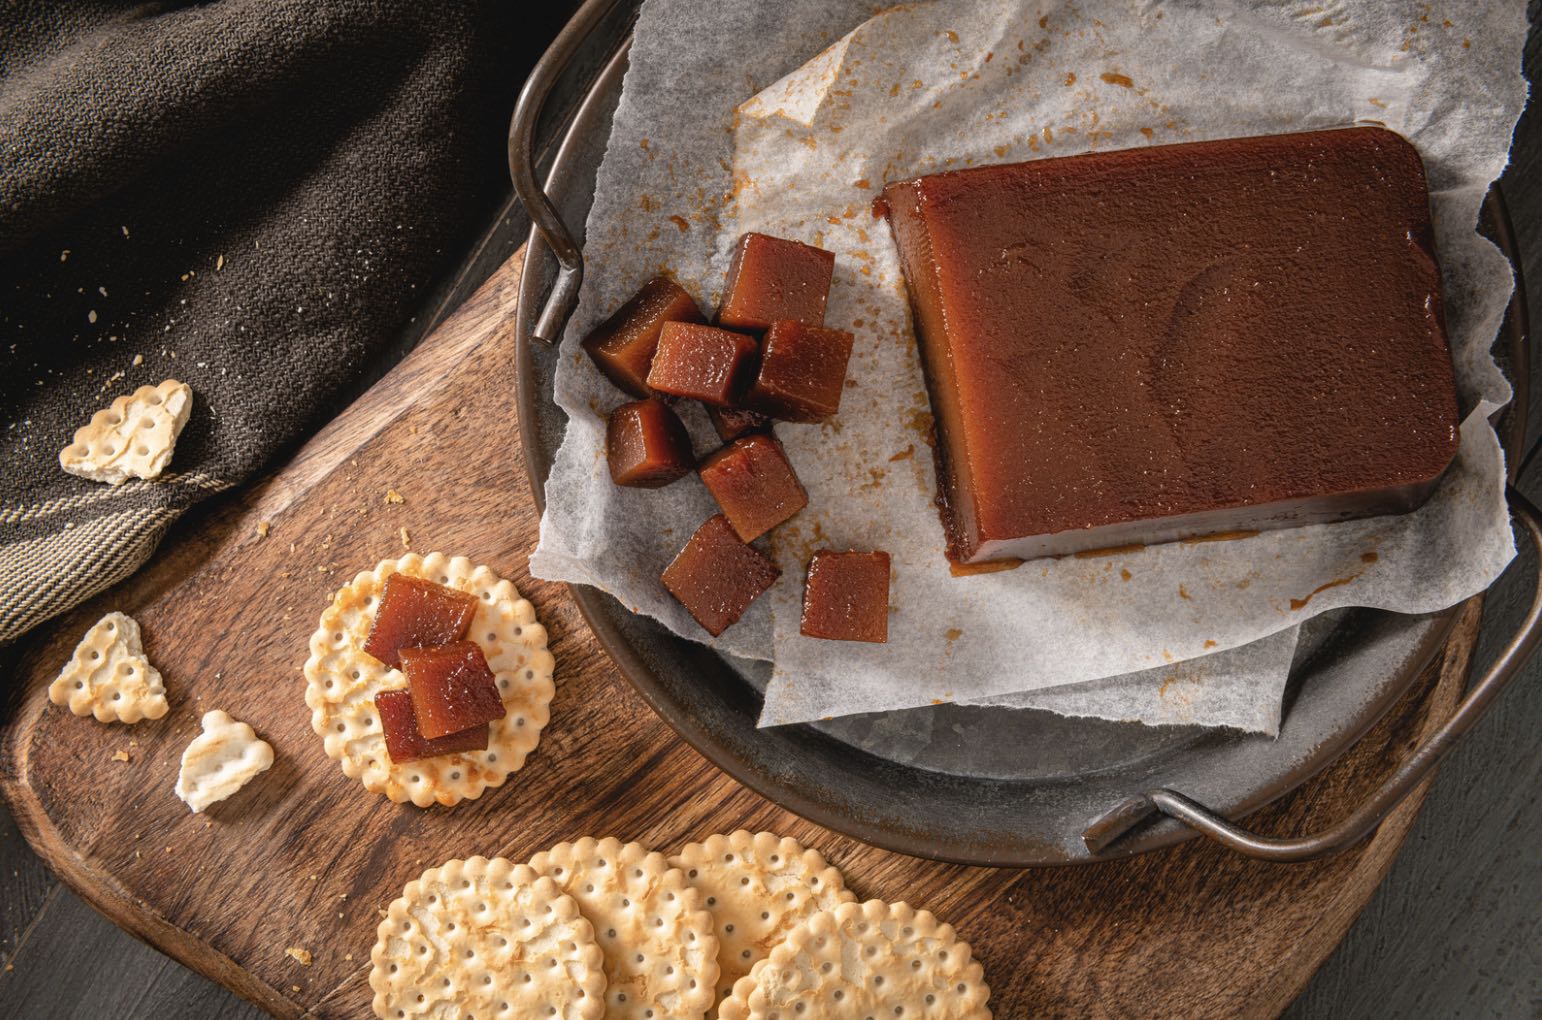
x=414, y=613
x=452, y=688
x=405, y=742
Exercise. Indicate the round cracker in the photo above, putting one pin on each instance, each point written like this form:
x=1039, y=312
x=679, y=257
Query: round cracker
x=758, y=887
x=864, y=960
x=659, y=947
x=342, y=681
x=486, y=940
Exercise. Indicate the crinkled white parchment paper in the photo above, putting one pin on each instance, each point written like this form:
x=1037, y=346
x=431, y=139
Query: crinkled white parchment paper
x=740, y=117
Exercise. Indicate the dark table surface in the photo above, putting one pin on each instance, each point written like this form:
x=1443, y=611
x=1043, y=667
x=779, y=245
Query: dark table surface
x=1456, y=929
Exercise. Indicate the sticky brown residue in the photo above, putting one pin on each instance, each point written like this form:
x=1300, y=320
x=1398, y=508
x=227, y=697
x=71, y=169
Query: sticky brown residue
x=862, y=182
x=905, y=454
x=1113, y=550
x=1337, y=582
x=1147, y=132
x=1183, y=593
x=681, y=222
x=1070, y=78
x=1209, y=642
x=1044, y=21
x=1376, y=102
x=952, y=36
x=1167, y=682
x=921, y=422
x=993, y=567
x=1220, y=536
x=953, y=634
x=1113, y=78
x=1369, y=557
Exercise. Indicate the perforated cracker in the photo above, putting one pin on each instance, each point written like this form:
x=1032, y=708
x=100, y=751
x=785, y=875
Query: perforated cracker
x=133, y=438
x=486, y=940
x=659, y=947
x=864, y=960
x=758, y=887
x=220, y=760
x=109, y=676
x=342, y=681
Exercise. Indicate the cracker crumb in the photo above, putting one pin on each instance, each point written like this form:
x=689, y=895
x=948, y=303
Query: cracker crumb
x=139, y=359
x=262, y=529
x=120, y=756
x=91, y=315
x=64, y=256
x=125, y=231
x=219, y=263
x=392, y=496
x=294, y=988
x=347, y=957
x=406, y=539
x=301, y=955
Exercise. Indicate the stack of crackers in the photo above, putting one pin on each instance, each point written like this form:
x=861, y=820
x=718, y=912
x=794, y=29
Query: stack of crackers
x=738, y=926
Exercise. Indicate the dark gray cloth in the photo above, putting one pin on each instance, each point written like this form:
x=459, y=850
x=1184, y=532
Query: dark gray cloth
x=249, y=196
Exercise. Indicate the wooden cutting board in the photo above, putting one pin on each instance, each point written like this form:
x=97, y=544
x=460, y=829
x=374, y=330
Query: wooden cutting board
x=305, y=857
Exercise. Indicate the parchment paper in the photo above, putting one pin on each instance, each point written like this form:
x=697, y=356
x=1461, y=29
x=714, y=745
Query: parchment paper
x=931, y=86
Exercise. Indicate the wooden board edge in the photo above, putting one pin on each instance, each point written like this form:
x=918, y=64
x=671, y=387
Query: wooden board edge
x=110, y=899
x=476, y=322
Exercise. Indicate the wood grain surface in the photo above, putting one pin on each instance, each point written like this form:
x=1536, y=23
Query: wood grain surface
x=306, y=858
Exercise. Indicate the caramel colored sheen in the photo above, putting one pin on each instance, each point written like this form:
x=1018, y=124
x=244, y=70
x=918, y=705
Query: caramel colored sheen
x=405, y=742
x=646, y=446
x=802, y=372
x=701, y=362
x=452, y=688
x=771, y=278
x=847, y=597
x=716, y=576
x=414, y=613
x=754, y=484
x=623, y=345
x=1151, y=344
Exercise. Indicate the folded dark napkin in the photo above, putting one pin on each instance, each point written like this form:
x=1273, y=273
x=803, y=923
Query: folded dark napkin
x=249, y=196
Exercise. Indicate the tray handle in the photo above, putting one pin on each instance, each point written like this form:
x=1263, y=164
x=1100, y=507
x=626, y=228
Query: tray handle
x=1114, y=823
x=527, y=111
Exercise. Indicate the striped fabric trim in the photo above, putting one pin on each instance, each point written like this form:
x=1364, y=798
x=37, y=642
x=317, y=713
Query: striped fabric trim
x=43, y=577
x=98, y=494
